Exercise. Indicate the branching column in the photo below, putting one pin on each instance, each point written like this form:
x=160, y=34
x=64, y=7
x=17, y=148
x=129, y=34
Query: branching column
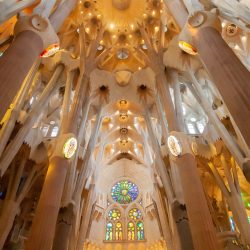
x=229, y=75
x=44, y=223
x=200, y=221
x=33, y=34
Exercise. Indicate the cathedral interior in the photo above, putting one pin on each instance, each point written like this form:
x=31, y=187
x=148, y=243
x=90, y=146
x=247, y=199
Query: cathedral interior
x=124, y=124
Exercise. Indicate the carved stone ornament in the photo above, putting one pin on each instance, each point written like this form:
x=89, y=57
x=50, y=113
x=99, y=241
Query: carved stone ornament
x=197, y=19
x=231, y=29
x=179, y=144
x=121, y=4
x=39, y=23
x=174, y=146
x=123, y=77
x=66, y=146
x=70, y=147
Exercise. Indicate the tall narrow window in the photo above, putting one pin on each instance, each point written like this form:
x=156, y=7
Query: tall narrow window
x=109, y=231
x=55, y=131
x=118, y=231
x=140, y=230
x=131, y=231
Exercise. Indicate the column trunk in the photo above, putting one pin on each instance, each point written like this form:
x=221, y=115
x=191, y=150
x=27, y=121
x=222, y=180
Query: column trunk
x=201, y=225
x=15, y=65
x=64, y=228
x=8, y=214
x=44, y=222
x=229, y=75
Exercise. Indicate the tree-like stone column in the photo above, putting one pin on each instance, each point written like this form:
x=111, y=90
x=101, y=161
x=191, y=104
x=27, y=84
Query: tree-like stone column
x=200, y=222
x=44, y=222
x=33, y=34
x=229, y=75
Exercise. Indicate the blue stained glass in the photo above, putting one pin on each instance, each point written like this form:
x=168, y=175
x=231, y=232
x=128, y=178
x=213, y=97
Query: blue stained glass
x=140, y=231
x=124, y=192
x=109, y=231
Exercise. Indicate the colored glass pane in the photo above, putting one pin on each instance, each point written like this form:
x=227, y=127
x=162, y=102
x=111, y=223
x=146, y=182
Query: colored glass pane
x=114, y=214
x=118, y=231
x=134, y=214
x=131, y=231
x=109, y=231
x=140, y=231
x=124, y=192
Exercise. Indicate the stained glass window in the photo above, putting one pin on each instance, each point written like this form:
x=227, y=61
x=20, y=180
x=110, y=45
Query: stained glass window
x=118, y=231
x=140, y=230
x=109, y=231
x=114, y=214
x=131, y=231
x=124, y=192
x=134, y=214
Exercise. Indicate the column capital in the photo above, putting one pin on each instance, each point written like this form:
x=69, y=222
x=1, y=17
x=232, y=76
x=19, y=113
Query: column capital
x=199, y=20
x=60, y=146
x=39, y=25
x=179, y=144
x=62, y=57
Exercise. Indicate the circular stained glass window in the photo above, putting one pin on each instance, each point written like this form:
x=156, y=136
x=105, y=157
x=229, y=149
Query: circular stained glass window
x=114, y=214
x=134, y=214
x=124, y=192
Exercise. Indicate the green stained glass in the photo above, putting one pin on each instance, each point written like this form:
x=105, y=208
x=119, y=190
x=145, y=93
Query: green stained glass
x=114, y=214
x=134, y=214
x=124, y=192
x=109, y=231
x=140, y=230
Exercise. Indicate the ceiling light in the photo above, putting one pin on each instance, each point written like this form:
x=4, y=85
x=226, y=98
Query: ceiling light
x=157, y=28
x=112, y=26
x=188, y=48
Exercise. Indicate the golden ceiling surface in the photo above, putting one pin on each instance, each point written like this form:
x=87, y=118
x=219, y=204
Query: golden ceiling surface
x=120, y=20
x=122, y=15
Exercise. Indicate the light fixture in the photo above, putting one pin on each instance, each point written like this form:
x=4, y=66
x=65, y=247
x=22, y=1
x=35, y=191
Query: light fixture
x=231, y=29
x=50, y=51
x=69, y=147
x=144, y=46
x=188, y=48
x=100, y=47
x=122, y=54
x=123, y=117
x=157, y=28
x=174, y=146
x=112, y=26
x=123, y=102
